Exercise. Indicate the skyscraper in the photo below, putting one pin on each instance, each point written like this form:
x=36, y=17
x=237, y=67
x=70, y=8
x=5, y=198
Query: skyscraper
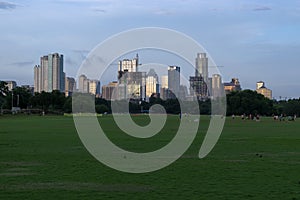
x=83, y=84
x=198, y=87
x=70, y=86
x=132, y=83
x=37, y=79
x=199, y=83
x=202, y=66
x=107, y=90
x=49, y=75
x=164, y=87
x=217, y=86
x=94, y=87
x=173, y=81
x=127, y=65
x=152, y=83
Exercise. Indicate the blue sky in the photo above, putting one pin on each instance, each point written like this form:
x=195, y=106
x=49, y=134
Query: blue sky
x=254, y=40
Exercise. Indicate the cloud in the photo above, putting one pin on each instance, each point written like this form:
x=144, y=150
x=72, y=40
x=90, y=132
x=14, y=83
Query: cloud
x=163, y=12
x=7, y=5
x=261, y=8
x=22, y=64
x=98, y=9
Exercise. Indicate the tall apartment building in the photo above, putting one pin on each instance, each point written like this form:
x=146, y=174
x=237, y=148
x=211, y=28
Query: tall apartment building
x=94, y=87
x=70, y=86
x=131, y=82
x=200, y=83
x=49, y=75
x=164, y=87
x=173, y=81
x=202, y=66
x=83, y=84
x=107, y=90
x=217, y=86
x=127, y=65
x=152, y=83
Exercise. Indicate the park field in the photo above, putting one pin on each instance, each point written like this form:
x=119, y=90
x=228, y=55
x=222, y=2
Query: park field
x=42, y=157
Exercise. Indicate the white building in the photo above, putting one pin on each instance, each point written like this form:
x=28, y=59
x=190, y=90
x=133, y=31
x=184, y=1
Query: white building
x=202, y=66
x=173, y=81
x=152, y=83
x=49, y=75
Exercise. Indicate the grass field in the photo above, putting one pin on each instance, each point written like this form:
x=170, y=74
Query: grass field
x=43, y=158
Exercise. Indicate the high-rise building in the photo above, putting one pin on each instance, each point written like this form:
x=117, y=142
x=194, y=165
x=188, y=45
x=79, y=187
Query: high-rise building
x=152, y=83
x=198, y=87
x=217, y=86
x=132, y=83
x=70, y=86
x=234, y=85
x=107, y=90
x=127, y=65
x=164, y=81
x=94, y=87
x=37, y=78
x=49, y=75
x=164, y=87
x=202, y=66
x=261, y=89
x=173, y=81
x=200, y=84
x=83, y=84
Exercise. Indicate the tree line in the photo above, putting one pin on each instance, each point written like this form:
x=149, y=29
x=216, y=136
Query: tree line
x=238, y=103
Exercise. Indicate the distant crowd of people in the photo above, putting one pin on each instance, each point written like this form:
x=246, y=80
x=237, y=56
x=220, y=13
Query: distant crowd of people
x=284, y=117
x=256, y=117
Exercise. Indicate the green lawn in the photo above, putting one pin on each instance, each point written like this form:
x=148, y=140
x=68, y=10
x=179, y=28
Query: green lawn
x=43, y=158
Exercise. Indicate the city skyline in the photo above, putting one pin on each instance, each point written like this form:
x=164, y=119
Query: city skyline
x=254, y=41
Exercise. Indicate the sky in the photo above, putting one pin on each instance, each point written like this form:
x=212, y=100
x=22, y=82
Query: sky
x=254, y=40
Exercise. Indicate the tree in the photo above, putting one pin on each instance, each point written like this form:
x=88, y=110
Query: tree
x=248, y=102
x=100, y=109
x=3, y=93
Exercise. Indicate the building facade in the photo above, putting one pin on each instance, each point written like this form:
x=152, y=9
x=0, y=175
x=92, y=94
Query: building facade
x=173, y=81
x=202, y=66
x=127, y=65
x=164, y=87
x=261, y=89
x=234, y=85
x=107, y=90
x=94, y=87
x=216, y=86
x=198, y=87
x=152, y=83
x=70, y=86
x=49, y=75
x=199, y=84
x=83, y=84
